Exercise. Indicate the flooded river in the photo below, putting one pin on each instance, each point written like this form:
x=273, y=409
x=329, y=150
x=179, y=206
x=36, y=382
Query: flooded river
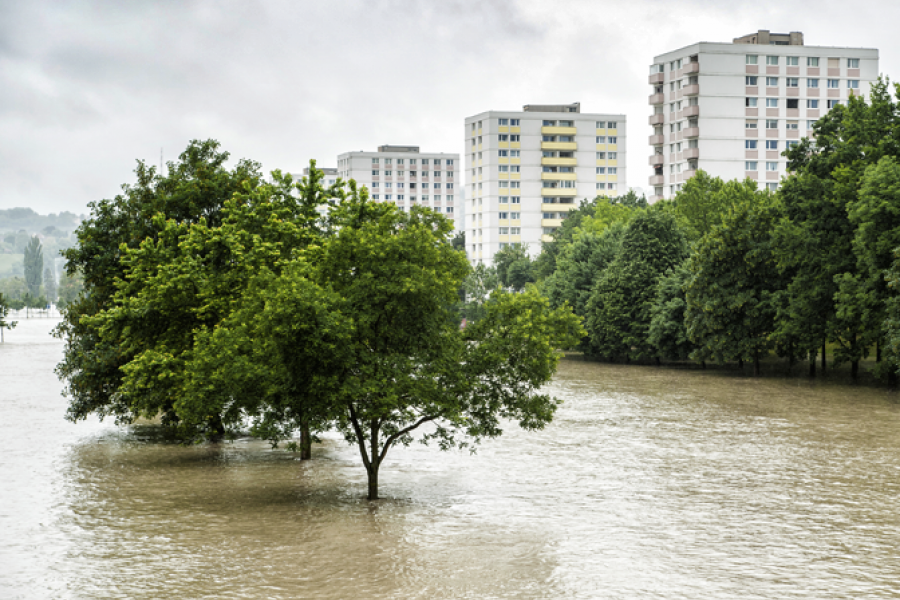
x=651, y=483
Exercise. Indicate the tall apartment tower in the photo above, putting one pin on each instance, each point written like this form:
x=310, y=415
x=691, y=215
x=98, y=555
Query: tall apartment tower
x=407, y=177
x=526, y=170
x=732, y=109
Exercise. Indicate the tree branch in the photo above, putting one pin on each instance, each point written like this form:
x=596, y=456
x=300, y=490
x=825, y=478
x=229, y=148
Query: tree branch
x=405, y=430
x=359, y=435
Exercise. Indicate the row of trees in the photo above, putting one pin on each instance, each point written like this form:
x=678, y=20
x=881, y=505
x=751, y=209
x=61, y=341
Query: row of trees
x=724, y=272
x=217, y=300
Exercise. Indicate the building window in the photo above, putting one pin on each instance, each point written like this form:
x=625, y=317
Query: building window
x=793, y=82
x=601, y=170
x=750, y=102
x=833, y=103
x=374, y=161
x=503, y=137
x=612, y=155
x=771, y=102
x=502, y=153
x=437, y=199
x=771, y=144
x=611, y=186
x=834, y=84
x=610, y=170
x=812, y=83
x=503, y=183
x=412, y=161
x=374, y=196
x=449, y=162
x=374, y=173
x=612, y=125
x=515, y=216
x=399, y=196
x=812, y=104
x=424, y=161
x=809, y=125
x=750, y=125
x=515, y=200
x=514, y=184
x=751, y=80
x=771, y=166
x=791, y=144
x=750, y=144
x=515, y=153
x=772, y=60
x=791, y=125
x=613, y=140
x=387, y=196
x=752, y=59
x=853, y=84
x=750, y=165
x=503, y=168
x=852, y=63
x=503, y=122
x=514, y=137
x=771, y=124
x=771, y=82
x=504, y=231
x=792, y=61
x=601, y=139
x=812, y=61
x=793, y=103
x=772, y=187
x=513, y=122
x=387, y=173
x=374, y=184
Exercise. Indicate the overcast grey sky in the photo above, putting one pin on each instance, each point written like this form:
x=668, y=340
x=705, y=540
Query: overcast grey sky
x=86, y=87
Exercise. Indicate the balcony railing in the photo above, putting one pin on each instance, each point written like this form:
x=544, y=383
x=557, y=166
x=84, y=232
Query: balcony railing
x=657, y=98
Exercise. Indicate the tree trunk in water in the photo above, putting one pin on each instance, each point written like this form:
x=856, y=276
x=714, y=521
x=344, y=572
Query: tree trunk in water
x=878, y=351
x=305, y=441
x=657, y=361
x=741, y=364
x=892, y=378
x=372, y=471
x=374, y=463
x=217, y=428
x=812, y=363
x=824, y=364
x=756, y=364
x=854, y=368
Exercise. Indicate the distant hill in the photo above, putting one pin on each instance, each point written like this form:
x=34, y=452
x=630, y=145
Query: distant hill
x=15, y=219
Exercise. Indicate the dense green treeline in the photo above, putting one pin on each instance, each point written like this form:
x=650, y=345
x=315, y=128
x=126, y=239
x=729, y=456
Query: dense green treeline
x=724, y=272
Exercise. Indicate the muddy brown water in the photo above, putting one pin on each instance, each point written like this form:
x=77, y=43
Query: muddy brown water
x=650, y=483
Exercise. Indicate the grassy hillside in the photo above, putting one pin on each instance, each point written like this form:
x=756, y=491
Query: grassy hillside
x=11, y=264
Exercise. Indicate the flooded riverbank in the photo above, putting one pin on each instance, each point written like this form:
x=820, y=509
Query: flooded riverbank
x=650, y=483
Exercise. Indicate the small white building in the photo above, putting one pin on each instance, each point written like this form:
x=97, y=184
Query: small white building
x=407, y=177
x=525, y=170
x=732, y=109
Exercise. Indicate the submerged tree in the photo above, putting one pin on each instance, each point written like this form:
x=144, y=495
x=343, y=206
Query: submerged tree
x=4, y=311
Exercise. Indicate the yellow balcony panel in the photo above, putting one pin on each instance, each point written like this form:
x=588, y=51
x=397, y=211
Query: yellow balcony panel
x=558, y=131
x=504, y=175
x=601, y=162
x=546, y=238
x=558, y=207
x=503, y=223
x=613, y=177
x=515, y=222
x=503, y=161
x=559, y=162
x=503, y=144
x=612, y=147
x=515, y=239
x=559, y=192
x=502, y=206
x=479, y=131
x=515, y=144
x=558, y=176
x=479, y=146
x=601, y=146
x=601, y=177
x=613, y=163
x=515, y=130
x=601, y=131
x=503, y=238
x=559, y=146
x=515, y=176
x=503, y=129
x=612, y=132
x=551, y=222
x=515, y=161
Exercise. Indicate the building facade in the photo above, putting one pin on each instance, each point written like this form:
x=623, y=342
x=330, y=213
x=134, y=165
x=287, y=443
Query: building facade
x=526, y=170
x=732, y=109
x=407, y=177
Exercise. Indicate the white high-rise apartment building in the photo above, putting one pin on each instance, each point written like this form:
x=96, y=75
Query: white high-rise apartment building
x=407, y=177
x=526, y=170
x=732, y=109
